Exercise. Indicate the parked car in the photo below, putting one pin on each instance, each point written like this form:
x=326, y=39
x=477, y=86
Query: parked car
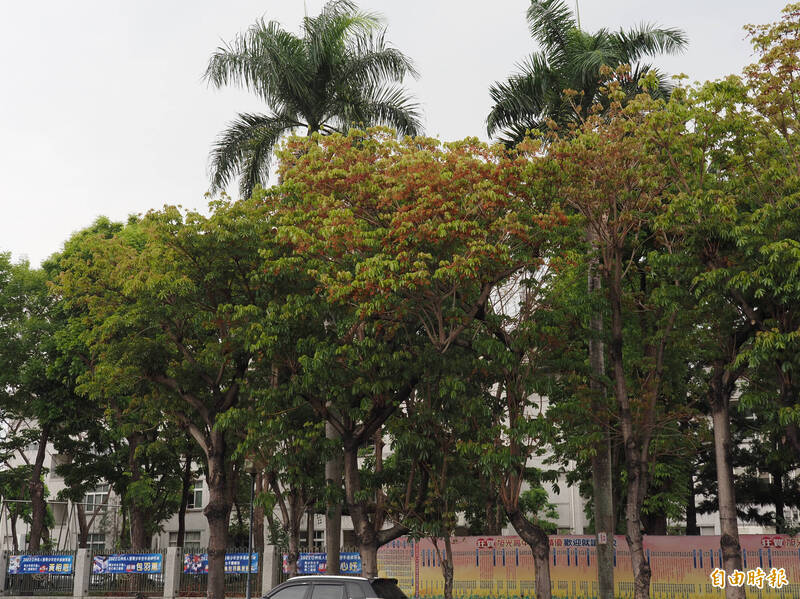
x=337, y=587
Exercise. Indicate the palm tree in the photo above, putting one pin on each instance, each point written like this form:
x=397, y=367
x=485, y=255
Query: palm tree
x=341, y=73
x=571, y=59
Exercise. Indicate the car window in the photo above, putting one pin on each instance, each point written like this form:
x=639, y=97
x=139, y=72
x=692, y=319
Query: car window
x=327, y=591
x=386, y=588
x=295, y=591
x=354, y=590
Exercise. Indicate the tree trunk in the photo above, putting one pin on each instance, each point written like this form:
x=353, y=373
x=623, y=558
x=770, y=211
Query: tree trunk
x=124, y=537
x=310, y=530
x=605, y=522
x=14, y=540
x=656, y=524
x=258, y=517
x=83, y=527
x=634, y=536
x=494, y=518
x=138, y=513
x=691, y=510
x=294, y=549
x=602, y=476
x=369, y=559
x=218, y=512
x=36, y=488
x=368, y=532
x=537, y=540
x=776, y=486
x=333, y=517
x=139, y=540
x=186, y=486
x=446, y=563
x=635, y=456
x=719, y=398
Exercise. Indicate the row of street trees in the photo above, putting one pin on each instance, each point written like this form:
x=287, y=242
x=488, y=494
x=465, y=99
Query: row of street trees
x=427, y=296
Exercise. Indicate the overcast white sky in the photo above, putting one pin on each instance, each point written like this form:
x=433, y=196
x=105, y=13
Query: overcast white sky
x=103, y=110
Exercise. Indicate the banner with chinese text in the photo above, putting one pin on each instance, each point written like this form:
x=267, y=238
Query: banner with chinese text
x=317, y=563
x=40, y=564
x=503, y=566
x=130, y=563
x=235, y=563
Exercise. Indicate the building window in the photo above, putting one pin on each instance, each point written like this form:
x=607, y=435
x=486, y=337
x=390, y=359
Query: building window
x=96, y=542
x=319, y=540
x=195, y=495
x=97, y=499
x=191, y=540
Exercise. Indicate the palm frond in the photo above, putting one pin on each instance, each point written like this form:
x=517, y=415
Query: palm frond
x=549, y=22
x=648, y=40
x=326, y=36
x=371, y=59
x=514, y=134
x=388, y=105
x=244, y=148
x=525, y=96
x=265, y=60
x=631, y=87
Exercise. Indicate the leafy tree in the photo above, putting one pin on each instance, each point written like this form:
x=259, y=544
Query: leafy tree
x=733, y=147
x=608, y=173
x=428, y=439
x=405, y=241
x=287, y=442
x=572, y=59
x=17, y=508
x=339, y=74
x=140, y=463
x=557, y=87
x=33, y=404
x=168, y=307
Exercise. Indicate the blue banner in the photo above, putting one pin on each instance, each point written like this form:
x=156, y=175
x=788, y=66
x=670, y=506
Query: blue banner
x=40, y=564
x=235, y=563
x=317, y=563
x=131, y=563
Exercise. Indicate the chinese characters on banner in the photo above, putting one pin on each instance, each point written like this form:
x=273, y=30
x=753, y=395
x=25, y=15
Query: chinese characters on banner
x=776, y=578
x=130, y=563
x=502, y=566
x=40, y=564
x=235, y=563
x=317, y=563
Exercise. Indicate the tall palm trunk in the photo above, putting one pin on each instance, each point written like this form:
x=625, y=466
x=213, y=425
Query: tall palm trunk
x=635, y=449
x=602, y=476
